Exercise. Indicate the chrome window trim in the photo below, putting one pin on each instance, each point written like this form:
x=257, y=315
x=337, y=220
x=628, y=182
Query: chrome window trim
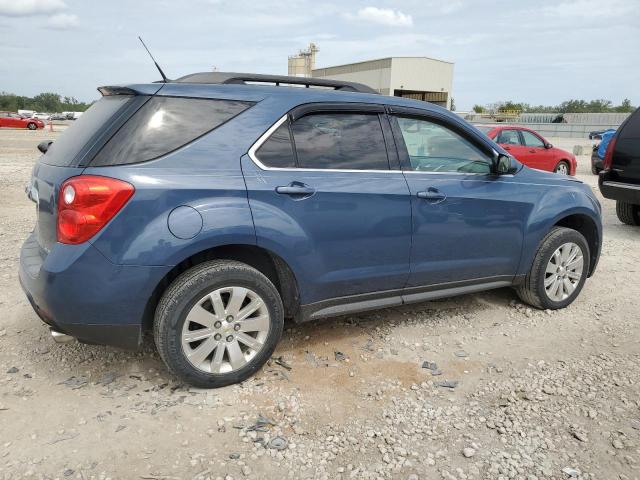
x=265, y=136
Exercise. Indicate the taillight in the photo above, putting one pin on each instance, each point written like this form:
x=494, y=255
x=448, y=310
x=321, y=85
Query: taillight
x=86, y=203
x=608, y=155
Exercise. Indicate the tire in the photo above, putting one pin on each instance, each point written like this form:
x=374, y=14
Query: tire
x=562, y=168
x=32, y=126
x=533, y=291
x=595, y=170
x=628, y=213
x=185, y=296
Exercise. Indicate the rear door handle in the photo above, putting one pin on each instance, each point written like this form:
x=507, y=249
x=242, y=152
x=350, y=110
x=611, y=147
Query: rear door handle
x=295, y=189
x=432, y=194
x=507, y=148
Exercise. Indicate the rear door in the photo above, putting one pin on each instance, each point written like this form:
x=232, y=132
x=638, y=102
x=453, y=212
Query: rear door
x=467, y=223
x=327, y=198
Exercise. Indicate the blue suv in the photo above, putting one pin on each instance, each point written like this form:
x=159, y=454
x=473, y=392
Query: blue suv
x=210, y=208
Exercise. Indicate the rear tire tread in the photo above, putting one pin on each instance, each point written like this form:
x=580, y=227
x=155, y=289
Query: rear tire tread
x=628, y=213
x=167, y=315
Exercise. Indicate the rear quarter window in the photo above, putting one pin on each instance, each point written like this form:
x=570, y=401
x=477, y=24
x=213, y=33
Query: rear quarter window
x=163, y=125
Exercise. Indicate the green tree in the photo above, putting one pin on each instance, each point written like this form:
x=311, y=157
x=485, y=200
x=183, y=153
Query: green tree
x=44, y=102
x=625, y=106
x=568, y=106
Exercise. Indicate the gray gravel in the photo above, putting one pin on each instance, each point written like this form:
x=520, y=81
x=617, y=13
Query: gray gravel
x=476, y=387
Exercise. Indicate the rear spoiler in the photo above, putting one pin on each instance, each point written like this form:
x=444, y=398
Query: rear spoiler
x=108, y=91
x=131, y=89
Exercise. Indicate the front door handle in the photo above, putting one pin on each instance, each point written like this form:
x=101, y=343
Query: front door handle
x=432, y=195
x=296, y=189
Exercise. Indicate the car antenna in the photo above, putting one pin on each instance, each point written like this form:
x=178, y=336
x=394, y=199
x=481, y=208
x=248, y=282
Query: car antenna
x=164, y=77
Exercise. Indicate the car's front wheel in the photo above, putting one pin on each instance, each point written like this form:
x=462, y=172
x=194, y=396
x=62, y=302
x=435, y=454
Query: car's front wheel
x=218, y=323
x=32, y=126
x=559, y=270
x=562, y=168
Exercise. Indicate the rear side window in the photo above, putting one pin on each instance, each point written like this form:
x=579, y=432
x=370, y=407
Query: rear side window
x=163, y=125
x=64, y=150
x=277, y=151
x=340, y=141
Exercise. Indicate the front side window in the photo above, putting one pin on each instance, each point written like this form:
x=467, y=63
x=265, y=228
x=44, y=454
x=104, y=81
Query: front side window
x=163, y=125
x=345, y=141
x=435, y=148
x=508, y=137
x=531, y=140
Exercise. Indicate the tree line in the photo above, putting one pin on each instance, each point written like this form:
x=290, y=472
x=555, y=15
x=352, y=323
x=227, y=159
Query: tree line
x=568, y=106
x=44, y=102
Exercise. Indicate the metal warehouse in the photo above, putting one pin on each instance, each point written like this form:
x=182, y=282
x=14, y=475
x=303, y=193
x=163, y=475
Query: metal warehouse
x=420, y=78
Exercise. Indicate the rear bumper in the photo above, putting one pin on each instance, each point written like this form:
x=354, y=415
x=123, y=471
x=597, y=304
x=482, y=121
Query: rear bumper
x=77, y=291
x=615, y=190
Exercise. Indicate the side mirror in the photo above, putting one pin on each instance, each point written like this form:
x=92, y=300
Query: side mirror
x=548, y=146
x=44, y=146
x=505, y=165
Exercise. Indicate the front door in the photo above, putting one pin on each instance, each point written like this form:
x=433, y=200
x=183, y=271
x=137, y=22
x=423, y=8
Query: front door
x=332, y=207
x=467, y=222
x=534, y=151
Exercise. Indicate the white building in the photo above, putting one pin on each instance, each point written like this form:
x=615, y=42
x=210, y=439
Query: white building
x=420, y=78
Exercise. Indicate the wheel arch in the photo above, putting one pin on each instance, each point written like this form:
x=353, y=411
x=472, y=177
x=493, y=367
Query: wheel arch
x=583, y=217
x=268, y=263
x=563, y=160
x=588, y=228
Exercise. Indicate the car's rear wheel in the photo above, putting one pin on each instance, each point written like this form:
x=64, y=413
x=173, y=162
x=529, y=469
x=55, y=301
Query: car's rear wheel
x=628, y=213
x=31, y=126
x=218, y=323
x=559, y=270
x=562, y=168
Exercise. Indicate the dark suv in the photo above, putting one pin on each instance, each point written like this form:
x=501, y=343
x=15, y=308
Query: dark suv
x=620, y=179
x=210, y=208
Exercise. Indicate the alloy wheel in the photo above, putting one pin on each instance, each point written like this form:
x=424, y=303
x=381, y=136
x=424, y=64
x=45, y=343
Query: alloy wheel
x=562, y=169
x=563, y=272
x=225, y=329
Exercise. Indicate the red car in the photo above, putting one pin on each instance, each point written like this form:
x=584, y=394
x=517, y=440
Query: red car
x=531, y=148
x=15, y=120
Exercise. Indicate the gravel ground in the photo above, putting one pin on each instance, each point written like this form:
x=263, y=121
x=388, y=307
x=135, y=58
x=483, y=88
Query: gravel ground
x=515, y=393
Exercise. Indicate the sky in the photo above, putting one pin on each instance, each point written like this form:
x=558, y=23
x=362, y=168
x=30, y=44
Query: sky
x=539, y=52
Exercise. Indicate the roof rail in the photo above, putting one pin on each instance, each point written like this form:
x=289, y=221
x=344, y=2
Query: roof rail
x=244, y=78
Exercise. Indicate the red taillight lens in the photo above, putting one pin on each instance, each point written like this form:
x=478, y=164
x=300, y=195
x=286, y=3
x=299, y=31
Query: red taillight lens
x=608, y=155
x=86, y=203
